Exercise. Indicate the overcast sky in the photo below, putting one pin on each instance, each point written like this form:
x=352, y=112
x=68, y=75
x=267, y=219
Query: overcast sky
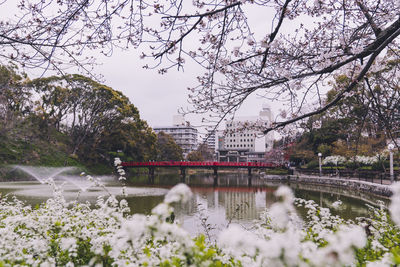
x=158, y=97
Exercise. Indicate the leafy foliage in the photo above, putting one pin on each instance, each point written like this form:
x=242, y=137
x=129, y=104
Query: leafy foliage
x=167, y=149
x=82, y=119
x=202, y=153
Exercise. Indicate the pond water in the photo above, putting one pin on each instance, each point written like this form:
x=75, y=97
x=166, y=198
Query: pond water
x=231, y=198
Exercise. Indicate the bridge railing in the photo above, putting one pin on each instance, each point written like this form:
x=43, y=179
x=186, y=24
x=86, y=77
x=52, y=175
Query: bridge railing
x=198, y=164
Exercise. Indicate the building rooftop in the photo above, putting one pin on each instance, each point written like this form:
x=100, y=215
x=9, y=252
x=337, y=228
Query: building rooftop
x=175, y=127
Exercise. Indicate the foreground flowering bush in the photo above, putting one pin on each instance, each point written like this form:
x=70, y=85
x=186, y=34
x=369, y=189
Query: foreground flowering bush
x=70, y=233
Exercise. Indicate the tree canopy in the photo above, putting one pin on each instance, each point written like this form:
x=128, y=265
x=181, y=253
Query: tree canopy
x=360, y=123
x=167, y=149
x=290, y=55
x=96, y=121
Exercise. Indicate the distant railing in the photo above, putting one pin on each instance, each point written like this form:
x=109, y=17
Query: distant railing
x=361, y=175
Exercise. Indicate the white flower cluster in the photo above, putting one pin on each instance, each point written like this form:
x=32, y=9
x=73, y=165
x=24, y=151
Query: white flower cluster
x=54, y=233
x=70, y=234
x=395, y=204
x=324, y=240
x=334, y=160
x=120, y=169
x=179, y=193
x=336, y=204
x=365, y=160
x=121, y=173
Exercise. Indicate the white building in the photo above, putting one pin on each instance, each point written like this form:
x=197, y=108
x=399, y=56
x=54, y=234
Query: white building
x=245, y=132
x=182, y=132
x=244, y=139
x=210, y=140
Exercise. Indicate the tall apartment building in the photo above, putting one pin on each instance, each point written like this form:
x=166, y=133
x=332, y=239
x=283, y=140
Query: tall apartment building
x=244, y=133
x=210, y=140
x=182, y=132
x=243, y=139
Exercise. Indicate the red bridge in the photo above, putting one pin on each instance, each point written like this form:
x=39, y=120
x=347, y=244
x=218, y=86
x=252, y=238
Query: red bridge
x=200, y=164
x=151, y=165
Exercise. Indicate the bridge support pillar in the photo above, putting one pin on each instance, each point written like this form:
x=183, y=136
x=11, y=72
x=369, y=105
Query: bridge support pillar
x=183, y=174
x=215, y=176
x=249, y=177
x=151, y=175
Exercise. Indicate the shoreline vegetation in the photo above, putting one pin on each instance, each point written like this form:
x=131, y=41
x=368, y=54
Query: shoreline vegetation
x=72, y=120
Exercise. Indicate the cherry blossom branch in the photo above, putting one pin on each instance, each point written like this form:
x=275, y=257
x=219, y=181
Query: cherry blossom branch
x=274, y=33
x=349, y=88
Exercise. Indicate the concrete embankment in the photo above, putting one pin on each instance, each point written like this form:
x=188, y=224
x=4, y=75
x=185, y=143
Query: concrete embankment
x=350, y=184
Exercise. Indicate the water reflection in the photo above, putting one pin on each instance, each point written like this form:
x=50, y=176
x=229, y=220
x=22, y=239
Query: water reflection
x=234, y=198
x=217, y=202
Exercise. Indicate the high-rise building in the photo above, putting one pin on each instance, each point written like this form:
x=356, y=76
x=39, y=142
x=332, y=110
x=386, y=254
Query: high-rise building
x=210, y=141
x=244, y=140
x=182, y=132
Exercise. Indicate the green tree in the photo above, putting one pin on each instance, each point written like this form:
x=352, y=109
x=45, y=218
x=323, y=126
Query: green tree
x=99, y=120
x=195, y=156
x=14, y=98
x=167, y=149
x=202, y=153
x=135, y=140
x=362, y=121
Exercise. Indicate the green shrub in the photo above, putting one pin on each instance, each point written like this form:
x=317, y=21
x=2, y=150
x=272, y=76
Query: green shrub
x=380, y=165
x=314, y=164
x=352, y=165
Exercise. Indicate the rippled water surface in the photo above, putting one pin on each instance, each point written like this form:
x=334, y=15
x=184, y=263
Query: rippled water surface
x=231, y=198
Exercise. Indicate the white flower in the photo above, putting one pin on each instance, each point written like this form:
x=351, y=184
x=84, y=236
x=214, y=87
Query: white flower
x=335, y=160
x=67, y=243
x=179, y=193
x=238, y=241
x=395, y=204
x=162, y=210
x=367, y=160
x=285, y=193
x=117, y=161
x=279, y=215
x=384, y=262
x=336, y=204
x=340, y=248
x=134, y=228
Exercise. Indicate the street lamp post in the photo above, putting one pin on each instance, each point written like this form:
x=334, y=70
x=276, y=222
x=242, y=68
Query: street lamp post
x=320, y=163
x=390, y=148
